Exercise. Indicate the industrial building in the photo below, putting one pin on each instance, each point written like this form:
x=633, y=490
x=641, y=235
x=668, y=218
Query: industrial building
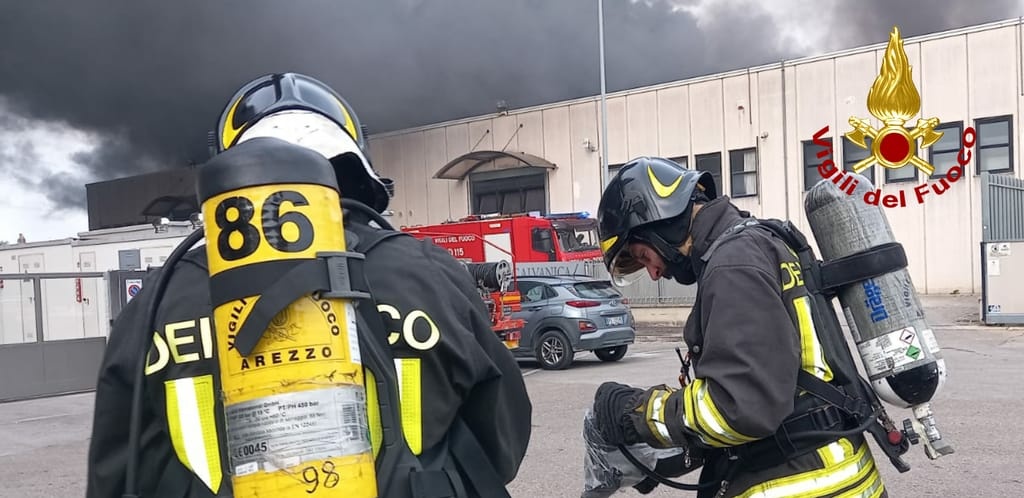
x=753, y=130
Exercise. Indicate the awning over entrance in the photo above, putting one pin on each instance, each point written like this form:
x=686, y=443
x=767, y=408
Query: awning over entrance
x=458, y=168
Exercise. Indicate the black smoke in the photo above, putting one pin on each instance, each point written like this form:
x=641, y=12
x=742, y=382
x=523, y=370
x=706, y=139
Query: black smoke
x=150, y=77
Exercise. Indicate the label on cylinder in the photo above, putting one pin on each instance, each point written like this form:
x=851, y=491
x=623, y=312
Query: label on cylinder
x=928, y=338
x=894, y=352
x=288, y=429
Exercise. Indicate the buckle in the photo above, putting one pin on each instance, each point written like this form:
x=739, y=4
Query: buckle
x=826, y=418
x=339, y=274
x=856, y=407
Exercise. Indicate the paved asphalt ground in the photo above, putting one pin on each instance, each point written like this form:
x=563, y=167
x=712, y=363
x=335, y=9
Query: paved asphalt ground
x=43, y=442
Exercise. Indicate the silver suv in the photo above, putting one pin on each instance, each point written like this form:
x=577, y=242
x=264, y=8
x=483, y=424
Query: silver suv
x=566, y=314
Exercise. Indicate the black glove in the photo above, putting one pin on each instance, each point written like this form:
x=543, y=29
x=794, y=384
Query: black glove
x=612, y=404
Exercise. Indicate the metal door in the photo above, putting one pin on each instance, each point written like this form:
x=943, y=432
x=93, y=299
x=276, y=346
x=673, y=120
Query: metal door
x=29, y=263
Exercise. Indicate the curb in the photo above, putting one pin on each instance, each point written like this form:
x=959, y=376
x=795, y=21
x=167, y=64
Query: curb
x=658, y=338
x=655, y=332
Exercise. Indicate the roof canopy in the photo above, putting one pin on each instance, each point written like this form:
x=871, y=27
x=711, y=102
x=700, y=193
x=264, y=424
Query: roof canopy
x=458, y=168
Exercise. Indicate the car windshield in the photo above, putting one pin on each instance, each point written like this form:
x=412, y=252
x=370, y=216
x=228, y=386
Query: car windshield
x=594, y=290
x=582, y=238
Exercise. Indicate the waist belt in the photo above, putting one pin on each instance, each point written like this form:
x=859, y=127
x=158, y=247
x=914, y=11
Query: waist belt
x=780, y=447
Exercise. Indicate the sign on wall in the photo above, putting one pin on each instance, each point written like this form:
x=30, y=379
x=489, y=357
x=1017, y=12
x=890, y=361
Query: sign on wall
x=132, y=286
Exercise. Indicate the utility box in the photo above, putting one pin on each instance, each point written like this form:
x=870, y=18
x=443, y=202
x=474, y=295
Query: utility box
x=1002, y=283
x=129, y=259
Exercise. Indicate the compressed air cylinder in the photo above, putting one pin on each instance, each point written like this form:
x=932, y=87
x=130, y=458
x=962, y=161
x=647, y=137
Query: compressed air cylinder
x=898, y=349
x=295, y=406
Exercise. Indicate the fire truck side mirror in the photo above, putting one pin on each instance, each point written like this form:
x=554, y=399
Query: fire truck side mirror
x=543, y=242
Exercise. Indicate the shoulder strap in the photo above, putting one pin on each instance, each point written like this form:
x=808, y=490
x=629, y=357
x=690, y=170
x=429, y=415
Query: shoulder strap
x=396, y=458
x=857, y=398
x=726, y=235
x=834, y=275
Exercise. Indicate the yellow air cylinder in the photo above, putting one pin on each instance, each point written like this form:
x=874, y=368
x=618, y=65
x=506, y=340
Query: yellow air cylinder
x=292, y=382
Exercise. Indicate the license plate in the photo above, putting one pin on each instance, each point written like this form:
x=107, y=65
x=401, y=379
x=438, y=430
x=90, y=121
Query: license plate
x=616, y=320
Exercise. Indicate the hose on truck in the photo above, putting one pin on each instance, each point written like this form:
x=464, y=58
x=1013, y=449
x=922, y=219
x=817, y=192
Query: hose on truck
x=491, y=277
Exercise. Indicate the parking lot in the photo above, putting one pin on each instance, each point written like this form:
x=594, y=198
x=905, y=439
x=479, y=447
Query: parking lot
x=43, y=442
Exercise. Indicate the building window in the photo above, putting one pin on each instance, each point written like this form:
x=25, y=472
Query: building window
x=942, y=154
x=712, y=163
x=906, y=173
x=811, y=160
x=681, y=160
x=853, y=154
x=993, y=146
x=510, y=195
x=613, y=169
x=743, y=171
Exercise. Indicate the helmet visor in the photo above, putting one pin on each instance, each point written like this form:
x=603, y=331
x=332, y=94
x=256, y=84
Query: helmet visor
x=624, y=269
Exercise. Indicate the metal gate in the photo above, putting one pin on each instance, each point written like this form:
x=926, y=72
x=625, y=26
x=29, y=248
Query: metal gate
x=1002, y=249
x=53, y=329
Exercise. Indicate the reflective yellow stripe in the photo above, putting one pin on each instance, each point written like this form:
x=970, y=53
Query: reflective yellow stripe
x=373, y=412
x=408, y=370
x=695, y=423
x=607, y=243
x=193, y=428
x=703, y=417
x=858, y=468
x=655, y=415
x=832, y=453
x=870, y=488
x=812, y=357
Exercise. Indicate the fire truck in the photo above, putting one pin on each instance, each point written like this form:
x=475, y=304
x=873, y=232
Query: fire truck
x=496, y=248
x=528, y=238
x=494, y=282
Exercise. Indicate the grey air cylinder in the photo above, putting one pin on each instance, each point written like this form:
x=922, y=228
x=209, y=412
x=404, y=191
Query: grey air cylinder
x=898, y=350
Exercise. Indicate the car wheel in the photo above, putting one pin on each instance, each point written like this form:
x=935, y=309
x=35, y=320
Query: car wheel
x=611, y=354
x=554, y=351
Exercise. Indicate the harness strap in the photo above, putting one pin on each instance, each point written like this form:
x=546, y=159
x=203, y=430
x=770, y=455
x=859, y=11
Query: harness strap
x=474, y=462
x=836, y=411
x=874, y=262
x=469, y=456
x=829, y=393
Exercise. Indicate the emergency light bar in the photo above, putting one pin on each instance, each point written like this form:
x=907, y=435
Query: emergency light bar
x=579, y=214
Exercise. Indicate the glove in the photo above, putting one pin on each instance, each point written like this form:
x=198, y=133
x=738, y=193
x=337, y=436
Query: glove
x=612, y=404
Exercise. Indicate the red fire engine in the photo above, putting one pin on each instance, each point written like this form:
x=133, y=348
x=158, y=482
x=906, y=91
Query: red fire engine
x=483, y=242
x=527, y=238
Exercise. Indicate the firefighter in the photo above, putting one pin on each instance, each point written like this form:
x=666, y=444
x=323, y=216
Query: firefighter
x=748, y=335
x=456, y=372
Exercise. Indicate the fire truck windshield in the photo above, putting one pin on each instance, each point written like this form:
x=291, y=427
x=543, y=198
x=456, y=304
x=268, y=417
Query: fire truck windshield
x=578, y=238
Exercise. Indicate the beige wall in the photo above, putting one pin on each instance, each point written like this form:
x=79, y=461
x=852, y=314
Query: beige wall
x=961, y=76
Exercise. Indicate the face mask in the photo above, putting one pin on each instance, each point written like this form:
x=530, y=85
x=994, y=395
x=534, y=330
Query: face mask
x=682, y=271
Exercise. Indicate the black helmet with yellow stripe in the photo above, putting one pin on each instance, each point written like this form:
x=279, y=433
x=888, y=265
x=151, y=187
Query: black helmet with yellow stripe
x=304, y=111
x=650, y=200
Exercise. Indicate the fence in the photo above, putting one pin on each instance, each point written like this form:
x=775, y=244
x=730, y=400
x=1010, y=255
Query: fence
x=1002, y=245
x=1002, y=208
x=53, y=329
x=642, y=293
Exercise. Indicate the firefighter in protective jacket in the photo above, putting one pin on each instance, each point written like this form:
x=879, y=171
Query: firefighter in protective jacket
x=450, y=363
x=749, y=334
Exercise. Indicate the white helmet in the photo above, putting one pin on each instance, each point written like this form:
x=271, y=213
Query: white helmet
x=304, y=111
